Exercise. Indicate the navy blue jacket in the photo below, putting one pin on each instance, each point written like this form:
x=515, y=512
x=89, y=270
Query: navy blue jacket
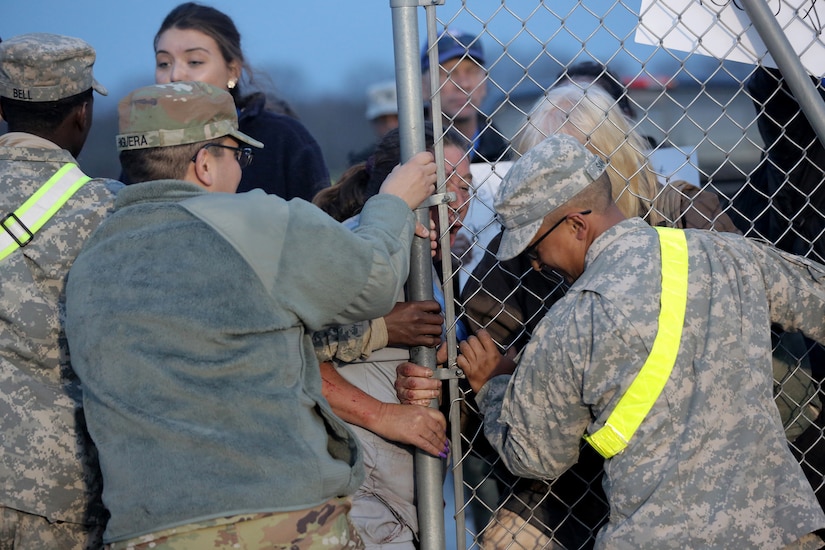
x=291, y=163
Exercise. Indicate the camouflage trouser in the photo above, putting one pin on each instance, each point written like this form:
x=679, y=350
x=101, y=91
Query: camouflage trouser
x=22, y=531
x=326, y=527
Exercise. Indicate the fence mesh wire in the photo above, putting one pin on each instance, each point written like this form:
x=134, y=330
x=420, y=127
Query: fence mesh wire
x=727, y=136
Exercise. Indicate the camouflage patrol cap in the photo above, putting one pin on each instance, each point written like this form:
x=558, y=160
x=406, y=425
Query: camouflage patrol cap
x=543, y=179
x=40, y=67
x=176, y=114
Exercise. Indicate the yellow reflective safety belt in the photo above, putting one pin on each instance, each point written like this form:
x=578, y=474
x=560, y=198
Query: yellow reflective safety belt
x=635, y=404
x=20, y=226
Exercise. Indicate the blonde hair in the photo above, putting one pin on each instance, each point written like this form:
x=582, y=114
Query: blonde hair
x=592, y=116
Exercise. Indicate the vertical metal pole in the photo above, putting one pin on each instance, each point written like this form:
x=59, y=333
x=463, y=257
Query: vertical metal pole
x=788, y=63
x=428, y=469
x=457, y=454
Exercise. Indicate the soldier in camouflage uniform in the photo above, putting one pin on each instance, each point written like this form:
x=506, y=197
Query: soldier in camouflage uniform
x=189, y=314
x=50, y=496
x=709, y=465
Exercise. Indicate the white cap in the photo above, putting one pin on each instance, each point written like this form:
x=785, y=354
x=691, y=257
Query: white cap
x=382, y=100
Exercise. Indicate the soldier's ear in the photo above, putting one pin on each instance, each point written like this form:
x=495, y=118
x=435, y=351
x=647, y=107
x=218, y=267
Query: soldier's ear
x=202, y=170
x=82, y=117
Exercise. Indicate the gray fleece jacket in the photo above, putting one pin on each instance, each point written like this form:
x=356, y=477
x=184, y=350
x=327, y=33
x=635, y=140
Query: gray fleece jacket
x=188, y=316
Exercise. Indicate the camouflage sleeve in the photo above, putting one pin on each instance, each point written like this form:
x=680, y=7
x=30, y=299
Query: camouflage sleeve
x=569, y=376
x=535, y=418
x=796, y=290
x=348, y=343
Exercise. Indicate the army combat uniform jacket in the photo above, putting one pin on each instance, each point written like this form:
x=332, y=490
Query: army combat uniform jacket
x=47, y=467
x=709, y=466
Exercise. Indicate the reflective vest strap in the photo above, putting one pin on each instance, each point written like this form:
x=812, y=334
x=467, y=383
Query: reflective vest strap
x=19, y=227
x=645, y=389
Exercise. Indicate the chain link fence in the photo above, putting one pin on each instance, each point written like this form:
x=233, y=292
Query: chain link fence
x=709, y=135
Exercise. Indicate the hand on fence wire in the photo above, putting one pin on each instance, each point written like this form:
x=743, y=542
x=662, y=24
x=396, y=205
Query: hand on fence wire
x=481, y=360
x=415, y=324
x=412, y=181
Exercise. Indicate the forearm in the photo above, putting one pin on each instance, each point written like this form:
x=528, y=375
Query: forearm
x=796, y=291
x=409, y=424
x=350, y=403
x=527, y=448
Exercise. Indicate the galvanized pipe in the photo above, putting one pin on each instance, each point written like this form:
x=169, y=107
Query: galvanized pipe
x=428, y=469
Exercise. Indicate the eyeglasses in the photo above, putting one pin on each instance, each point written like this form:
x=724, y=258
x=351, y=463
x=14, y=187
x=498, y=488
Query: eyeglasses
x=242, y=154
x=531, y=252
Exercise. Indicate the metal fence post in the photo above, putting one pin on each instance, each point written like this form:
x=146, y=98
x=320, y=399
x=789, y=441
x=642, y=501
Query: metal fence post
x=428, y=469
x=788, y=63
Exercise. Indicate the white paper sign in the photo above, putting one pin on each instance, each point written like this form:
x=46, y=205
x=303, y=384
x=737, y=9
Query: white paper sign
x=721, y=29
x=674, y=164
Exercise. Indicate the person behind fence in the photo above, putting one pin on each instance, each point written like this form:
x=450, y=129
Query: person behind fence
x=462, y=89
x=358, y=361
x=204, y=396
x=525, y=296
x=199, y=42
x=462, y=81
x=382, y=114
x=48, y=206
x=593, y=73
x=591, y=115
x=785, y=200
x=644, y=358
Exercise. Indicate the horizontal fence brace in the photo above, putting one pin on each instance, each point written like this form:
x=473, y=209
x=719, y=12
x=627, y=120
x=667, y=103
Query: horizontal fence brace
x=415, y=3
x=438, y=198
x=448, y=373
